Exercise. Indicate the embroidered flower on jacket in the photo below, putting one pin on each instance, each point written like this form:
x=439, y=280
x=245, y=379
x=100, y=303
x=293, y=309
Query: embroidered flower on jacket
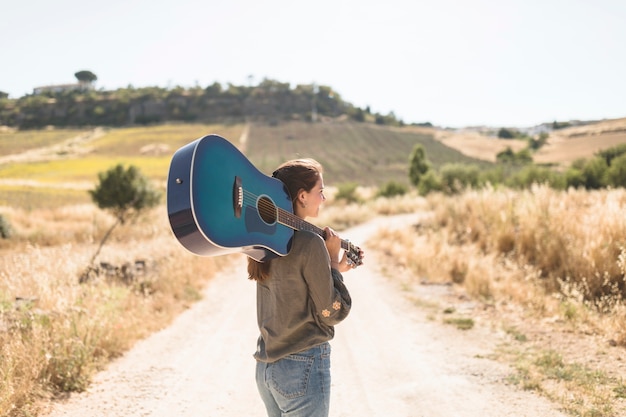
x=336, y=305
x=325, y=313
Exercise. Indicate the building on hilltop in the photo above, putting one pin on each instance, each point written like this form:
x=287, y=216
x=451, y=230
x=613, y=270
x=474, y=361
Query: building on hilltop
x=61, y=88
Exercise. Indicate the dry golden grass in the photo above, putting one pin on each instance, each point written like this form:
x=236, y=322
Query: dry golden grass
x=530, y=256
x=478, y=145
x=566, y=145
x=54, y=332
x=562, y=148
x=549, y=268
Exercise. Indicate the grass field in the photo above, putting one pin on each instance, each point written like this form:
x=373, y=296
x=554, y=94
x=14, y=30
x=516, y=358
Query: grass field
x=365, y=154
x=20, y=141
x=534, y=259
x=563, y=147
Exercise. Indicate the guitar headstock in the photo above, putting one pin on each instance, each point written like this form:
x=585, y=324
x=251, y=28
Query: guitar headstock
x=354, y=254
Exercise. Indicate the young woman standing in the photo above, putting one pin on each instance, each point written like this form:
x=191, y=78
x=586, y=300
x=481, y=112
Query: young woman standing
x=300, y=297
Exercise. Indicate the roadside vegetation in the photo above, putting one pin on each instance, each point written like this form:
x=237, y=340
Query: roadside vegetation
x=543, y=256
x=546, y=266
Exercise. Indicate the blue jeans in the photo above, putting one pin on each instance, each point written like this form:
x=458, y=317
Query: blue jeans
x=297, y=385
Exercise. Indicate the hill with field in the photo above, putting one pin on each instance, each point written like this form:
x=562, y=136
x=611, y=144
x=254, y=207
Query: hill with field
x=543, y=268
x=563, y=146
x=61, y=164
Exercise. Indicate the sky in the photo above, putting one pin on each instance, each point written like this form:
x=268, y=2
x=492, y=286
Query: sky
x=453, y=63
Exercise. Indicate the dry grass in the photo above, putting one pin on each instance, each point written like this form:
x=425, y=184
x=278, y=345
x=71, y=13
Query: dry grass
x=566, y=145
x=546, y=266
x=563, y=147
x=478, y=145
x=539, y=259
x=54, y=332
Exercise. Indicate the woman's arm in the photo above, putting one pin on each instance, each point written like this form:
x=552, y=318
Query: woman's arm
x=328, y=292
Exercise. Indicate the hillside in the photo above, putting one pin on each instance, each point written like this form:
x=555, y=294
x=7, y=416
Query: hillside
x=566, y=145
x=49, y=166
x=562, y=148
x=364, y=153
x=57, y=165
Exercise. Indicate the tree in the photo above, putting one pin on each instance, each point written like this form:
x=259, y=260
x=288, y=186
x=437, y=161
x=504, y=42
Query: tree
x=594, y=173
x=418, y=164
x=616, y=174
x=85, y=76
x=504, y=133
x=612, y=153
x=125, y=192
x=507, y=156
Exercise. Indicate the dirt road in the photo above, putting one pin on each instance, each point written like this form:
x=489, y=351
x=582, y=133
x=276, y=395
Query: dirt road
x=389, y=359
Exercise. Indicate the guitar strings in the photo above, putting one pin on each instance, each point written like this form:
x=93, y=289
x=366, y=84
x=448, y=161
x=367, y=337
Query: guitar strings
x=269, y=211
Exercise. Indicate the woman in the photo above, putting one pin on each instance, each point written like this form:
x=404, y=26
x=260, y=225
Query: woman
x=300, y=297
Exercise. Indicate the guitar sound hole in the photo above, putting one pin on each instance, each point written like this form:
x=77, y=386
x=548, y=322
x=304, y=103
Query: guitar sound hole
x=267, y=210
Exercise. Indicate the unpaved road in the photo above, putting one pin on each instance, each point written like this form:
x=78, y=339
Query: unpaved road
x=389, y=359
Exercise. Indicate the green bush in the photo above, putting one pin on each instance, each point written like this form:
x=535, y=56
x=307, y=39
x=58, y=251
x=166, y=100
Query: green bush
x=533, y=174
x=418, y=164
x=508, y=156
x=594, y=173
x=392, y=189
x=458, y=177
x=493, y=176
x=6, y=231
x=124, y=191
x=430, y=182
x=504, y=133
x=610, y=154
x=347, y=192
x=574, y=178
x=616, y=173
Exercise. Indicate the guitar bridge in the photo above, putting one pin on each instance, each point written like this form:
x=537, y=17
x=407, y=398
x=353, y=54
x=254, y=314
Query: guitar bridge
x=237, y=197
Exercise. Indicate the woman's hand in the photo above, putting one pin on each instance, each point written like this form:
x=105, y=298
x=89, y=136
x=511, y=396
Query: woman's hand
x=333, y=245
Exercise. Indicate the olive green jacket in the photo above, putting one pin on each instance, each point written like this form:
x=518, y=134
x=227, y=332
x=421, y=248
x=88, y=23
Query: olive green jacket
x=301, y=301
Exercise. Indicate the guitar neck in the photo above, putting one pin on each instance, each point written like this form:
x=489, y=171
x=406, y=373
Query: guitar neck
x=297, y=223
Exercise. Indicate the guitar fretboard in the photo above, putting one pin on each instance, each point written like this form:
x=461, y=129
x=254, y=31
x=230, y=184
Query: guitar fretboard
x=291, y=220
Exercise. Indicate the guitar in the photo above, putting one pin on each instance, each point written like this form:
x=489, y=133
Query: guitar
x=219, y=203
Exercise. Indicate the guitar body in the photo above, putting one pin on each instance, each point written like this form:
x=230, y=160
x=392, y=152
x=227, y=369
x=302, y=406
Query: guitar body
x=213, y=199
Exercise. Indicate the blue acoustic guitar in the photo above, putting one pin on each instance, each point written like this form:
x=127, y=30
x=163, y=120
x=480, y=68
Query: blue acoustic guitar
x=219, y=203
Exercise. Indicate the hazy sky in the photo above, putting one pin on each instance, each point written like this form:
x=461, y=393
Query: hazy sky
x=450, y=62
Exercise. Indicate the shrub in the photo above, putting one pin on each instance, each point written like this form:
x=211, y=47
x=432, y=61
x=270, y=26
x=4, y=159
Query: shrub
x=418, y=164
x=430, y=181
x=347, y=192
x=574, y=178
x=6, y=231
x=507, y=156
x=594, y=173
x=392, y=189
x=492, y=176
x=616, y=173
x=457, y=177
x=533, y=175
x=124, y=192
x=504, y=133
x=610, y=154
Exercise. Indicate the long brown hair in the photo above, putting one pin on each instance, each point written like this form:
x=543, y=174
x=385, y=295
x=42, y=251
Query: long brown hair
x=297, y=175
